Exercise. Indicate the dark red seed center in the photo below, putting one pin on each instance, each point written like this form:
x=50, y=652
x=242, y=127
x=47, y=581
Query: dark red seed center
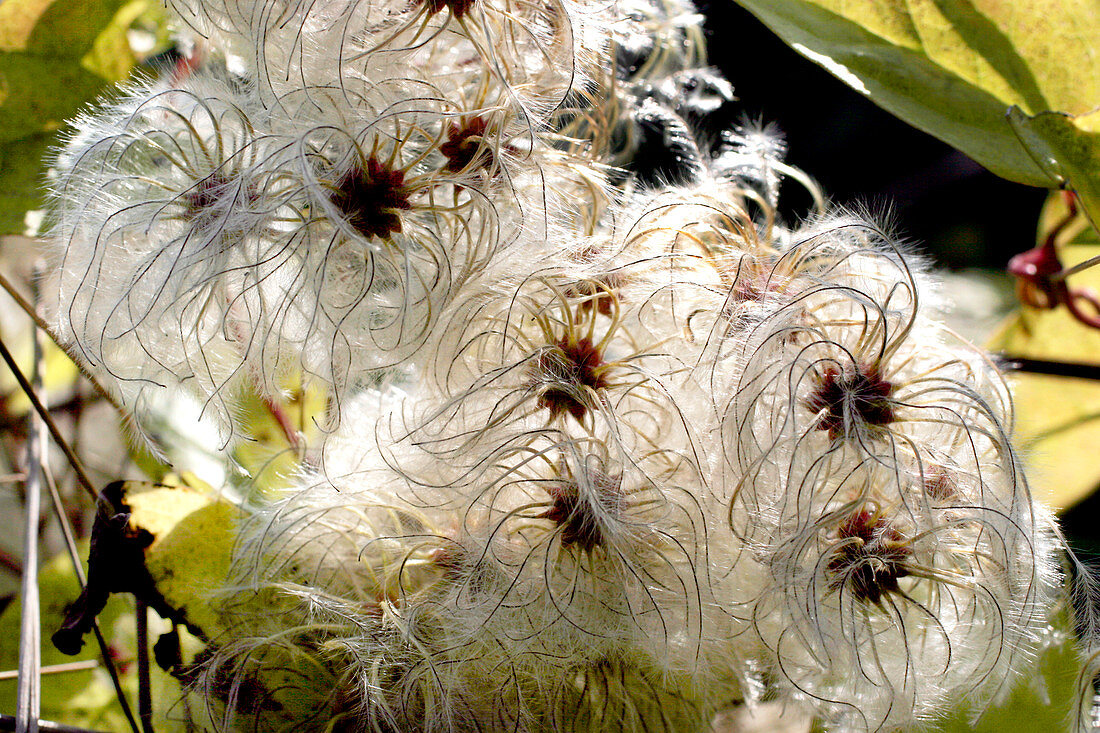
x=847, y=401
x=578, y=515
x=870, y=557
x=372, y=196
x=466, y=147
x=458, y=7
x=567, y=371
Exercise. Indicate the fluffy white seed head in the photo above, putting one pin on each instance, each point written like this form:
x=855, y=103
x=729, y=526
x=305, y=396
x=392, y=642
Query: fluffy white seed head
x=596, y=457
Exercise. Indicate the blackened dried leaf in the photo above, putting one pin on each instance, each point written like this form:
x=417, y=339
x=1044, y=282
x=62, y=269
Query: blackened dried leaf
x=167, y=652
x=116, y=564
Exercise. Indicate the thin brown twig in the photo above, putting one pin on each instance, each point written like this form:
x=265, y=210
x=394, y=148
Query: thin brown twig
x=145, y=688
x=81, y=666
x=105, y=653
x=66, y=530
x=30, y=310
x=1077, y=370
x=74, y=461
x=70, y=406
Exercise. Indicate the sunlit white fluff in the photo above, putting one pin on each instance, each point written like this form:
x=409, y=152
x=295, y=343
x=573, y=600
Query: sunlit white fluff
x=163, y=213
x=595, y=457
x=909, y=565
x=537, y=51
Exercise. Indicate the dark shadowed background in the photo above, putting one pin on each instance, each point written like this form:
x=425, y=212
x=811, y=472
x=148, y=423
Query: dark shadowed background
x=950, y=207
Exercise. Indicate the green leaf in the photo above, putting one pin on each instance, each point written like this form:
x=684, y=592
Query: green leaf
x=21, y=176
x=1058, y=418
x=81, y=697
x=1068, y=148
x=1043, y=700
x=55, y=55
x=954, y=68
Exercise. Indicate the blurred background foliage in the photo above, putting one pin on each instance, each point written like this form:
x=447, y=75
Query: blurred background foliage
x=1007, y=87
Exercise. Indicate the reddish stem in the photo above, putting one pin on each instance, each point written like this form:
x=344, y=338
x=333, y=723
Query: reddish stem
x=1040, y=272
x=289, y=431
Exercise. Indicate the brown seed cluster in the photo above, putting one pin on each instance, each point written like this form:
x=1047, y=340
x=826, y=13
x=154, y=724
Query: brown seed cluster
x=849, y=400
x=577, y=515
x=372, y=197
x=870, y=556
x=465, y=147
x=940, y=485
x=201, y=198
x=566, y=373
x=201, y=202
x=458, y=8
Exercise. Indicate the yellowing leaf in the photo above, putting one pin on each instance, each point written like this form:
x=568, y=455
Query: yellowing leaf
x=192, y=541
x=85, y=698
x=17, y=22
x=190, y=562
x=134, y=521
x=1059, y=429
x=267, y=455
x=954, y=68
x=110, y=55
x=159, y=509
